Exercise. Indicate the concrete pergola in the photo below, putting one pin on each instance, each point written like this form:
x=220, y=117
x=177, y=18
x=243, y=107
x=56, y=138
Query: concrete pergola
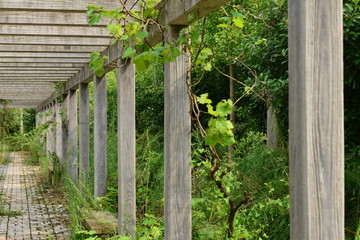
x=48, y=41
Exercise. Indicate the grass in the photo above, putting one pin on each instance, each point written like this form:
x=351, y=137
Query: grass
x=4, y=212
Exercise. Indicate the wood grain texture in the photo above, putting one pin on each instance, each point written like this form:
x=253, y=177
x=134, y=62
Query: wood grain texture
x=73, y=148
x=100, y=136
x=64, y=125
x=24, y=17
x=174, y=12
x=50, y=48
x=60, y=5
x=58, y=129
x=43, y=60
x=45, y=65
x=10, y=54
x=84, y=134
x=50, y=30
x=316, y=120
x=126, y=149
x=54, y=40
x=86, y=75
x=272, y=128
x=32, y=71
x=177, y=177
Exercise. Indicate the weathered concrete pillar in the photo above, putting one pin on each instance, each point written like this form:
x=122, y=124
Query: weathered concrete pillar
x=177, y=149
x=316, y=120
x=58, y=130
x=84, y=135
x=126, y=148
x=100, y=136
x=73, y=138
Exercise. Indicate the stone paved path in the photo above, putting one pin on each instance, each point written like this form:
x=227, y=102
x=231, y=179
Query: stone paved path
x=42, y=215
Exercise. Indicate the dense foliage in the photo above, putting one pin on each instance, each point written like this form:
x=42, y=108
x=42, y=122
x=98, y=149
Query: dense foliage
x=239, y=192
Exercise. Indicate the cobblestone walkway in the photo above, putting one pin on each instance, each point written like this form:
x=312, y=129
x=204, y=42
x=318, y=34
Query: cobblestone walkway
x=42, y=215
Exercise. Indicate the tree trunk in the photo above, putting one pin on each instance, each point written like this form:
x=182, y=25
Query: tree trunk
x=232, y=98
x=272, y=131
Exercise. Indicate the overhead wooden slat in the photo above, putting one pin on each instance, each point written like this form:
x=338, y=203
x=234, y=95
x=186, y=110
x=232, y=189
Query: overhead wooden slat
x=43, y=55
x=49, y=40
x=39, y=69
x=43, y=60
x=5, y=71
x=33, y=76
x=45, y=65
x=50, y=48
x=74, y=31
x=61, y=5
x=47, y=18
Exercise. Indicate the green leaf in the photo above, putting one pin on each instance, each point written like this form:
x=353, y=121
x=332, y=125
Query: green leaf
x=207, y=66
x=142, y=34
x=224, y=107
x=238, y=21
x=211, y=140
x=203, y=99
x=128, y=52
x=191, y=17
x=222, y=25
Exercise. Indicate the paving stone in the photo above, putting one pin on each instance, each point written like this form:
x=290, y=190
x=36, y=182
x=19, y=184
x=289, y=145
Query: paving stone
x=21, y=190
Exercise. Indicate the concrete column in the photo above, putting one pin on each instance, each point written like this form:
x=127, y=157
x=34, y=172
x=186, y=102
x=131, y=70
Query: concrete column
x=84, y=134
x=100, y=136
x=73, y=138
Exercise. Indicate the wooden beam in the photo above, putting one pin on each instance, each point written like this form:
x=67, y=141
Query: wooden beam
x=316, y=112
x=114, y=51
x=50, y=48
x=44, y=60
x=100, y=136
x=45, y=65
x=49, y=30
x=39, y=69
x=44, y=55
x=177, y=136
x=36, y=78
x=49, y=100
x=30, y=71
x=60, y=5
x=52, y=18
x=50, y=40
x=126, y=149
x=174, y=12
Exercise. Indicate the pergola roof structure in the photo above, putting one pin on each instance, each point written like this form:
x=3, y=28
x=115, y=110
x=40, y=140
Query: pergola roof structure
x=44, y=42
